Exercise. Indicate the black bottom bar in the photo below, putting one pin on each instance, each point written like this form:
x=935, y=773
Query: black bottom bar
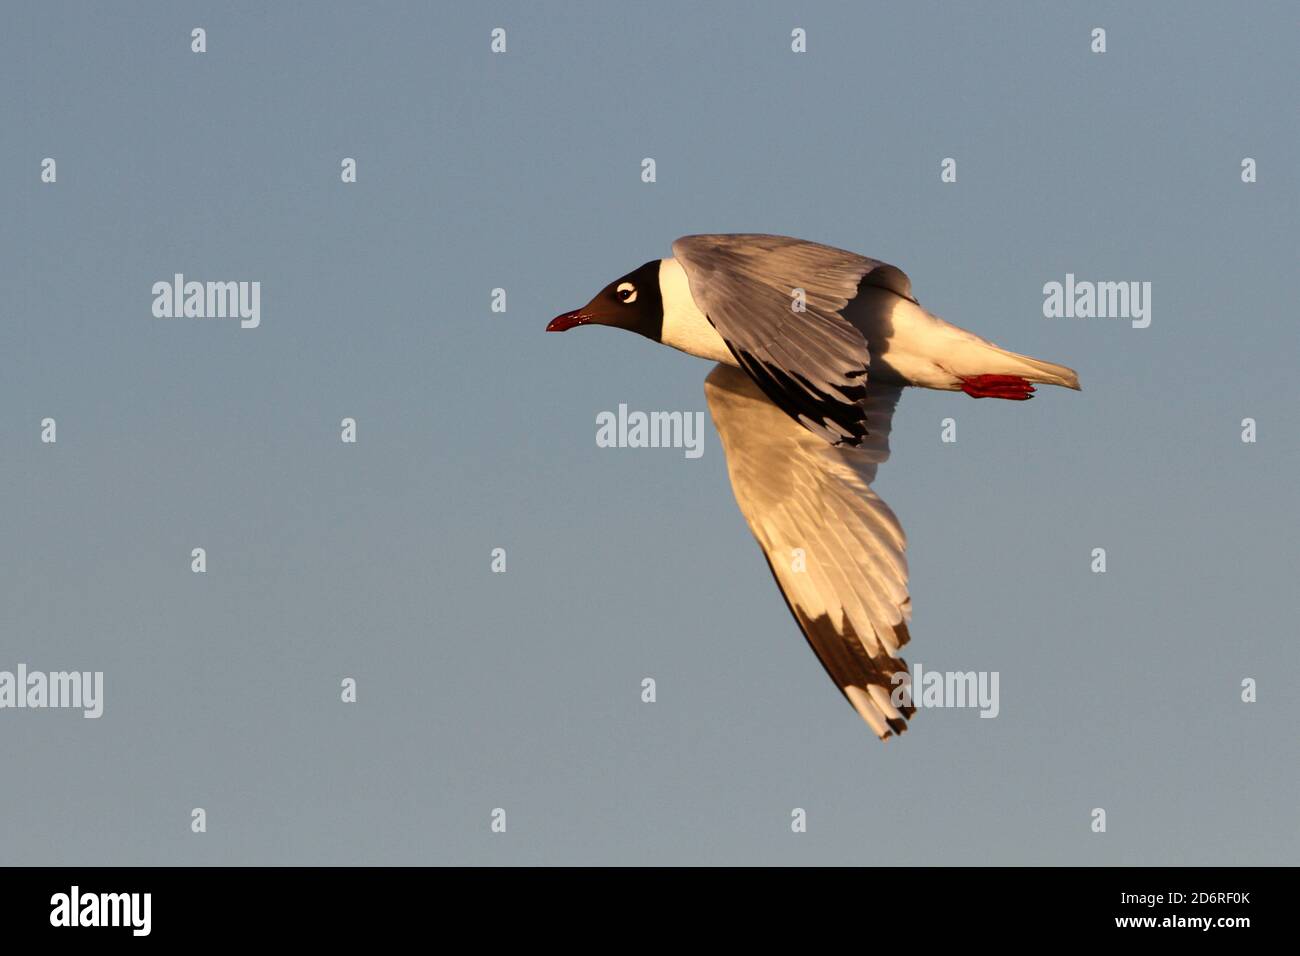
x=375, y=904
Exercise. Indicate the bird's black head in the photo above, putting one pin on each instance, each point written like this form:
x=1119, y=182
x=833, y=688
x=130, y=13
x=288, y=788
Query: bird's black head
x=632, y=302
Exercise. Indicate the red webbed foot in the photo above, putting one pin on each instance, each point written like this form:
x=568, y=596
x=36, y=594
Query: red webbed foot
x=1011, y=387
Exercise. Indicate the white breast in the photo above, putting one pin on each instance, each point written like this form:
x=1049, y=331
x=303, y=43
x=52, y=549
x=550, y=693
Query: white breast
x=685, y=327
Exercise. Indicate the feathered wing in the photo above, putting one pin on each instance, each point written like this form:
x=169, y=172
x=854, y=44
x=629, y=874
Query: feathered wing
x=812, y=363
x=835, y=549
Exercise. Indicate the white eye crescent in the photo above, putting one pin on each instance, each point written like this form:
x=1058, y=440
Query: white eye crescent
x=627, y=292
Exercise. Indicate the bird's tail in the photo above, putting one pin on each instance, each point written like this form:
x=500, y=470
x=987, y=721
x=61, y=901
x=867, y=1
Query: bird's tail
x=1035, y=370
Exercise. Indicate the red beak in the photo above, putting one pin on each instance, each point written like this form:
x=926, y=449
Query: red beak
x=562, y=323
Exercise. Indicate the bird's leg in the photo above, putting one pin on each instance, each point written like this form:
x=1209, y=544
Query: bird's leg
x=1011, y=387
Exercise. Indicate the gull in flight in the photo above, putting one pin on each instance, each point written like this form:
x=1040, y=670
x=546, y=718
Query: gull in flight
x=814, y=346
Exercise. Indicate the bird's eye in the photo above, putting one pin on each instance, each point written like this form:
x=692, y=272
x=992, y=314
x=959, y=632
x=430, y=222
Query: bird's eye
x=626, y=292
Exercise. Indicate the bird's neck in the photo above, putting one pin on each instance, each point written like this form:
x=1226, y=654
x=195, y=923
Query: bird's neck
x=685, y=327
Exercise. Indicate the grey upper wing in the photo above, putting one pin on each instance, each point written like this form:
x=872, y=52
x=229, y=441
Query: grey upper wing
x=813, y=364
x=835, y=549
